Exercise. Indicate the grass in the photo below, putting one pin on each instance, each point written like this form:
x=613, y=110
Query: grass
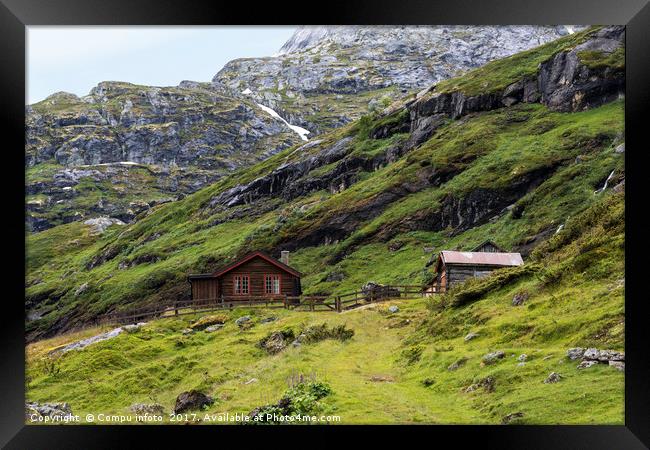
x=544, y=169
x=489, y=151
x=371, y=380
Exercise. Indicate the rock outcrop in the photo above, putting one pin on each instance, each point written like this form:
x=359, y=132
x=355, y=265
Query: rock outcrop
x=319, y=66
x=138, y=144
x=191, y=400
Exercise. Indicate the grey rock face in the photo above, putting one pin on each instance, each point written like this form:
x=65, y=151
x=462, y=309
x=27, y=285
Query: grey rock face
x=568, y=85
x=187, y=136
x=99, y=224
x=344, y=60
x=575, y=353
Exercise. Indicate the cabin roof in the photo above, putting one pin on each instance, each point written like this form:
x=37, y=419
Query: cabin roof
x=195, y=276
x=255, y=254
x=486, y=242
x=481, y=258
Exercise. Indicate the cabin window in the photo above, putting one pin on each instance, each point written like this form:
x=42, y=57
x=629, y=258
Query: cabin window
x=240, y=284
x=272, y=284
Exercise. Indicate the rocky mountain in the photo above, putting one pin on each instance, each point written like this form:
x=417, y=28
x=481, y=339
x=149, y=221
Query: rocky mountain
x=526, y=150
x=123, y=149
x=324, y=77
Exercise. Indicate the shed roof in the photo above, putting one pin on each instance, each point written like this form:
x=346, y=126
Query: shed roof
x=486, y=242
x=481, y=258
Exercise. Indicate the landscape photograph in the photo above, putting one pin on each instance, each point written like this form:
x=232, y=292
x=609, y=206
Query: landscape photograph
x=325, y=225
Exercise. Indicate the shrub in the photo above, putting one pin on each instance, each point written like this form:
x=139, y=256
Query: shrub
x=206, y=321
x=303, y=399
x=321, y=332
x=412, y=354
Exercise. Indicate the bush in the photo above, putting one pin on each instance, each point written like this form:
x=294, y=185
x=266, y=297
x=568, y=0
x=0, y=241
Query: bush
x=317, y=333
x=206, y=321
x=303, y=399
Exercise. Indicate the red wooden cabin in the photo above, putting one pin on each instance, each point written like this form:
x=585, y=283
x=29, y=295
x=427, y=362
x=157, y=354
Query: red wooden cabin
x=256, y=275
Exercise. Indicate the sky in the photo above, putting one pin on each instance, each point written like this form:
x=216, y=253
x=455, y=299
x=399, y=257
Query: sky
x=75, y=59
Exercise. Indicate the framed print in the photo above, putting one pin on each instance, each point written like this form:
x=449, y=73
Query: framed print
x=390, y=217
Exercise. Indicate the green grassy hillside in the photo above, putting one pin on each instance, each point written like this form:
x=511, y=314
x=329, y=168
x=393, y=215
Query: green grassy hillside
x=395, y=368
x=373, y=200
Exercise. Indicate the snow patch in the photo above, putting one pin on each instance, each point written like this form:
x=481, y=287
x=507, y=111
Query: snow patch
x=299, y=130
x=247, y=91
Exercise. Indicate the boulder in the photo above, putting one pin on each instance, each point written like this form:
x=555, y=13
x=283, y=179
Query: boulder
x=191, y=400
x=487, y=383
x=591, y=354
x=372, y=290
x=519, y=298
x=277, y=341
x=586, y=364
x=47, y=409
x=213, y=328
x=575, y=353
x=242, y=321
x=511, y=417
x=186, y=331
x=268, y=319
x=610, y=355
x=131, y=328
x=523, y=357
x=620, y=365
x=458, y=363
x=553, y=377
x=143, y=408
x=493, y=357
x=471, y=336
x=81, y=289
x=393, y=309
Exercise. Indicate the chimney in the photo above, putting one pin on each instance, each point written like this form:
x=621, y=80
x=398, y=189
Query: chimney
x=284, y=257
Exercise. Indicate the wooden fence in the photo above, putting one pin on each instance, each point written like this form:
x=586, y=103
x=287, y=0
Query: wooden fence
x=313, y=303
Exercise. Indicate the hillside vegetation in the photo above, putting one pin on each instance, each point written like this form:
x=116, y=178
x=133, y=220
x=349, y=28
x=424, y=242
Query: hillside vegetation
x=411, y=366
x=527, y=151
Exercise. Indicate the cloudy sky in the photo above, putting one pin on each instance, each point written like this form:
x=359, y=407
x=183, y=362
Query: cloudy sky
x=74, y=59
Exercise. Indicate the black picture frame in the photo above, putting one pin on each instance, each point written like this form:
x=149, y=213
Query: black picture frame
x=15, y=15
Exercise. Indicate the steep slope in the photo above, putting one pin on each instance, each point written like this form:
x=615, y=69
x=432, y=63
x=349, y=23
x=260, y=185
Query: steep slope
x=422, y=364
x=123, y=148
x=325, y=77
x=509, y=151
